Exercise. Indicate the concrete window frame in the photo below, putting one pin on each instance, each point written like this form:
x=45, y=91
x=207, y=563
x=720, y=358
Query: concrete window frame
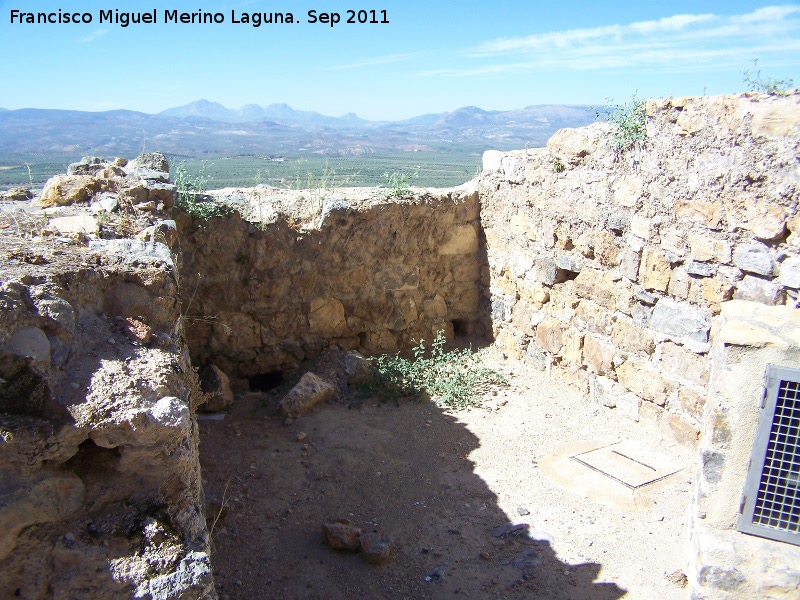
x=771, y=499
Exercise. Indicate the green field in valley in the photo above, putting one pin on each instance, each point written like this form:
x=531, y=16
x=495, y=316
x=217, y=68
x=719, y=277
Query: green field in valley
x=423, y=169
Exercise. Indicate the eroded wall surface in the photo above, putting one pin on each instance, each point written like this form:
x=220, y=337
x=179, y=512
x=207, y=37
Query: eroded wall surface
x=100, y=488
x=372, y=275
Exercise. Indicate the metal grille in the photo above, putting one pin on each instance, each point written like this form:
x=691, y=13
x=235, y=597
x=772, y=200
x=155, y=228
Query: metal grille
x=771, y=506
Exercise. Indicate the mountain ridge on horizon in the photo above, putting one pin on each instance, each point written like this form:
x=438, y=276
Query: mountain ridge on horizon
x=203, y=128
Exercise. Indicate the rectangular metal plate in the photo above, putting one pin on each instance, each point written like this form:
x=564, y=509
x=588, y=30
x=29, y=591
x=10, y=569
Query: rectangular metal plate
x=629, y=462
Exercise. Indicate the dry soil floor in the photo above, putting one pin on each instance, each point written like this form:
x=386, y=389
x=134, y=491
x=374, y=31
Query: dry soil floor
x=479, y=503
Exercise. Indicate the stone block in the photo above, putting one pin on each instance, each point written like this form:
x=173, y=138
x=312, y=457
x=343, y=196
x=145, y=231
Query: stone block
x=593, y=317
x=741, y=333
x=672, y=242
x=679, y=283
x=691, y=402
x=628, y=405
x=543, y=271
x=644, y=381
x=436, y=308
x=573, y=145
x=654, y=272
x=597, y=286
x=641, y=227
x=756, y=289
x=535, y=293
x=627, y=190
x=629, y=261
x=326, y=316
x=526, y=317
x=774, y=120
x=520, y=264
x=572, y=351
x=31, y=342
x=753, y=258
x=631, y=338
x=549, y=336
x=619, y=223
x=468, y=270
x=683, y=432
x=521, y=226
x=715, y=292
x=62, y=190
x=462, y=239
x=605, y=391
x=766, y=221
x=705, y=212
x=217, y=386
x=704, y=249
x=680, y=362
x=606, y=249
x=650, y=413
x=789, y=273
x=309, y=391
x=569, y=262
x=599, y=355
x=701, y=269
x=465, y=298
x=679, y=320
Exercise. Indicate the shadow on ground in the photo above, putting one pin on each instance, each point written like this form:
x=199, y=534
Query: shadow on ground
x=399, y=469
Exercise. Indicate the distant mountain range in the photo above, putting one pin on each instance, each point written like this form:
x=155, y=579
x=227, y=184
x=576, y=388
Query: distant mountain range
x=206, y=128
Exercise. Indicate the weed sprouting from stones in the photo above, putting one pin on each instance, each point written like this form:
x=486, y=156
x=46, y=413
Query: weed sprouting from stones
x=452, y=379
x=191, y=190
x=767, y=85
x=628, y=122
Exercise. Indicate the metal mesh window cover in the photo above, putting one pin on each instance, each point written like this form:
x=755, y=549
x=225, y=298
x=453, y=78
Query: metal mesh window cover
x=771, y=503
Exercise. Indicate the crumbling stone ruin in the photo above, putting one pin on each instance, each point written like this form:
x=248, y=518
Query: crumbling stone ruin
x=661, y=281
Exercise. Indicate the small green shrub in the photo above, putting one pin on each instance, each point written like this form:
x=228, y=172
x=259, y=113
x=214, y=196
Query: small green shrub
x=767, y=85
x=452, y=379
x=629, y=124
x=558, y=166
x=397, y=183
x=190, y=195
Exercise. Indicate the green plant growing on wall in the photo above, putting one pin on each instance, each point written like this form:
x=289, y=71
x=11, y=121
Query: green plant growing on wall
x=397, y=183
x=453, y=379
x=628, y=122
x=558, y=166
x=768, y=85
x=191, y=189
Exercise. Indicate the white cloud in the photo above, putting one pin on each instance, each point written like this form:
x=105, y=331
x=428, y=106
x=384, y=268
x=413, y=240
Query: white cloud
x=97, y=33
x=680, y=41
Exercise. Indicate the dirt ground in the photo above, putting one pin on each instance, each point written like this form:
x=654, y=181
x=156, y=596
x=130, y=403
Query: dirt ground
x=480, y=503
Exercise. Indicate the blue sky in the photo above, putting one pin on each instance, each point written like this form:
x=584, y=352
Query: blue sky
x=431, y=57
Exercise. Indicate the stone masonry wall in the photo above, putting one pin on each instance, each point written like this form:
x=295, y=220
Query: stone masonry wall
x=609, y=269
x=370, y=274
x=726, y=564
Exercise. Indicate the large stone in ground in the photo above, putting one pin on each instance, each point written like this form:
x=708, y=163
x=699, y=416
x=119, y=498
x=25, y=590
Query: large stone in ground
x=342, y=535
x=66, y=189
x=216, y=384
x=309, y=391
